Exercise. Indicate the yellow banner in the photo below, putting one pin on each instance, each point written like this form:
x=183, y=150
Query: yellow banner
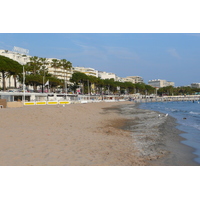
x=52, y=102
x=64, y=102
x=29, y=103
x=41, y=103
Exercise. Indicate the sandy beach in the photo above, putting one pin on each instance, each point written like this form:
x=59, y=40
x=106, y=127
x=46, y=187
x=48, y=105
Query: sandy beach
x=93, y=134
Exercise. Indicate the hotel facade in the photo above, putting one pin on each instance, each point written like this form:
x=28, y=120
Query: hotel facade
x=23, y=59
x=61, y=73
x=158, y=83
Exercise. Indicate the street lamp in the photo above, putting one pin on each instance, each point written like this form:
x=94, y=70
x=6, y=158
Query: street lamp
x=43, y=86
x=23, y=84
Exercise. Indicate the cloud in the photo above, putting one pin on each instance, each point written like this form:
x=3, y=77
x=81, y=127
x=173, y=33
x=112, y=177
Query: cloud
x=106, y=51
x=173, y=53
x=121, y=52
x=100, y=55
x=92, y=51
x=195, y=34
x=5, y=46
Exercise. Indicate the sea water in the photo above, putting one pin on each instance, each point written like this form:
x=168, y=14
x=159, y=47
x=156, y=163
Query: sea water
x=187, y=114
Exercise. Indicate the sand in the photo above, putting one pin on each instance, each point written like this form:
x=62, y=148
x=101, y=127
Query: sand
x=74, y=135
x=93, y=134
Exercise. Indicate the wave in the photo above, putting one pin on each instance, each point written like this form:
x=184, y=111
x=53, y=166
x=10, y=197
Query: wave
x=190, y=124
x=194, y=113
x=196, y=126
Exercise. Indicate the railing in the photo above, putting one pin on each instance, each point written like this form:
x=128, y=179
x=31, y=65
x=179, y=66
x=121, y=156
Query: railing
x=80, y=99
x=169, y=98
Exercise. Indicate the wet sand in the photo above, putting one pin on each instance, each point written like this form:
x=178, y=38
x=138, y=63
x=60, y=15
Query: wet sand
x=94, y=134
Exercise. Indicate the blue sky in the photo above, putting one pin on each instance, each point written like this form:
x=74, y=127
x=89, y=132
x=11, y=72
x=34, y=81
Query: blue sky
x=171, y=56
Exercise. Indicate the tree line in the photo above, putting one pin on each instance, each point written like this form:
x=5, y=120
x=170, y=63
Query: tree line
x=95, y=85
x=37, y=74
x=184, y=90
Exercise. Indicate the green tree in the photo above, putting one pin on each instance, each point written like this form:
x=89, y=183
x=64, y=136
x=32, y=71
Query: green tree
x=79, y=78
x=33, y=68
x=110, y=86
x=150, y=89
x=99, y=85
x=55, y=64
x=66, y=66
x=43, y=71
x=129, y=86
x=8, y=66
x=140, y=87
x=15, y=73
x=34, y=80
x=54, y=83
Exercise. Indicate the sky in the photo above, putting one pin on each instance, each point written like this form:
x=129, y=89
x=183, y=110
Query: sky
x=170, y=56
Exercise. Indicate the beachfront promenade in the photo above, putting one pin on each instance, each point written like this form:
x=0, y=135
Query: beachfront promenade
x=20, y=99
x=27, y=99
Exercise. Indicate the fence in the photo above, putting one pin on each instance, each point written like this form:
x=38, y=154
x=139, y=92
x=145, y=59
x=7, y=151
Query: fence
x=79, y=99
x=169, y=98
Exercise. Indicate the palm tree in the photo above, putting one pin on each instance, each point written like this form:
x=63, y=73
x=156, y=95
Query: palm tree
x=33, y=67
x=66, y=66
x=34, y=64
x=92, y=80
x=55, y=64
x=43, y=70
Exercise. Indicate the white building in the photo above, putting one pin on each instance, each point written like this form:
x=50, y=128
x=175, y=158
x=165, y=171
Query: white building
x=119, y=79
x=87, y=71
x=20, y=58
x=107, y=75
x=133, y=79
x=158, y=83
x=60, y=73
x=195, y=85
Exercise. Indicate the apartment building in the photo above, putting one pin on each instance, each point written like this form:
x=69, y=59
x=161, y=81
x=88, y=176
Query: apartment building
x=133, y=79
x=158, y=83
x=195, y=85
x=59, y=72
x=107, y=75
x=20, y=58
x=87, y=71
x=23, y=59
x=96, y=73
x=119, y=79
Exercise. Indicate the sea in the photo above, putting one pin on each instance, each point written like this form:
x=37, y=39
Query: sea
x=187, y=114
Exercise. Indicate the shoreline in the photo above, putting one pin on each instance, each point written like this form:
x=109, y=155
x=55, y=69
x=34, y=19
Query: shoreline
x=158, y=139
